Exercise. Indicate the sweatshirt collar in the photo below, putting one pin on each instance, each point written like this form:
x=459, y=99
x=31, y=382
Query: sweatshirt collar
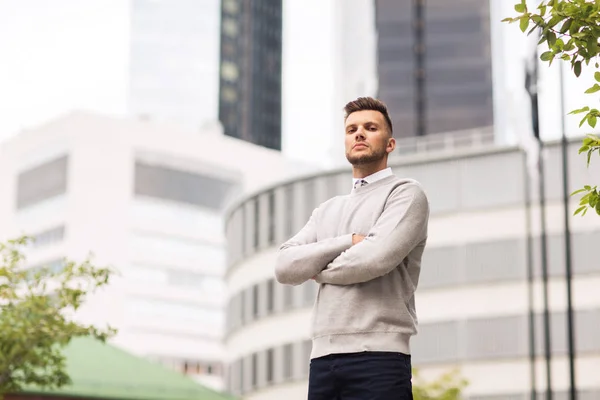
x=384, y=173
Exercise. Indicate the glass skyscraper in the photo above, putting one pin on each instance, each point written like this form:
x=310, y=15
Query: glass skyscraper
x=454, y=65
x=250, y=71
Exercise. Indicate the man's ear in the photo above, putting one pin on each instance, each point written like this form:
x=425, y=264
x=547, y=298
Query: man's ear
x=391, y=146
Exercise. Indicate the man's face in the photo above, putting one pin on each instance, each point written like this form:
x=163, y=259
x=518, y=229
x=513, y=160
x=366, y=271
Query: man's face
x=367, y=137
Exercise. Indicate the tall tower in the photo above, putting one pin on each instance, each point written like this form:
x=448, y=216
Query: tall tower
x=434, y=64
x=250, y=71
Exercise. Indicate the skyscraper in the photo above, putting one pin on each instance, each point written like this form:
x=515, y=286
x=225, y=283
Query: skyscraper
x=250, y=71
x=434, y=64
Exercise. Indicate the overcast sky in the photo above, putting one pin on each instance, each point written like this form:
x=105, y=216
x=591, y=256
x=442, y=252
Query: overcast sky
x=61, y=55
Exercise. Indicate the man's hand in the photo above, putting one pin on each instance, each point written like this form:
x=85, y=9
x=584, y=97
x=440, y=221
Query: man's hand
x=357, y=238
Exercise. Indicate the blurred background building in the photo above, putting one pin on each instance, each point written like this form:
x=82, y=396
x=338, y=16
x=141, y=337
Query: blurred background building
x=190, y=105
x=250, y=80
x=145, y=198
x=434, y=64
x=472, y=300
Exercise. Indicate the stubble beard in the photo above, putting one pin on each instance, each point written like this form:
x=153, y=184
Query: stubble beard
x=363, y=159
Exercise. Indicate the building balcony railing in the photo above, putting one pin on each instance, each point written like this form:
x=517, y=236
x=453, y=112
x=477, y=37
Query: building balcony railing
x=450, y=142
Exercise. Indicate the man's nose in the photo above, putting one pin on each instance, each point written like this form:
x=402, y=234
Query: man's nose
x=360, y=133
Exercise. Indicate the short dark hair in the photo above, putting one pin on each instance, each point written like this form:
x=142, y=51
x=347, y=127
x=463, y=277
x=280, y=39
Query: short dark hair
x=368, y=103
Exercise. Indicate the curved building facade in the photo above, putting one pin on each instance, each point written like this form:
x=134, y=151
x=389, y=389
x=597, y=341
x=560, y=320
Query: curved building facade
x=472, y=300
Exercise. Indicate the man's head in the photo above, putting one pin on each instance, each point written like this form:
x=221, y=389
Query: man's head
x=369, y=137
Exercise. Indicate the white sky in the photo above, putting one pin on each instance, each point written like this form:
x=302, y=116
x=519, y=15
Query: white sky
x=60, y=55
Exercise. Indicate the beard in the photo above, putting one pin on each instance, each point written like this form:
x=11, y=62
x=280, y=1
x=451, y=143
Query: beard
x=366, y=158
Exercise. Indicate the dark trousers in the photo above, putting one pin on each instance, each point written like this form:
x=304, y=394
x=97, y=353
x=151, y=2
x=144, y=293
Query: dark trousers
x=361, y=376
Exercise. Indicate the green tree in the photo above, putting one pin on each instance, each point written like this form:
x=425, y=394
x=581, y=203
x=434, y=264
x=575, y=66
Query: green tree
x=448, y=386
x=35, y=323
x=571, y=29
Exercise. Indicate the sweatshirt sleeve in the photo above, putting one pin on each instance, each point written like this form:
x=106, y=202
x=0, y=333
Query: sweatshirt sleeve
x=400, y=228
x=302, y=257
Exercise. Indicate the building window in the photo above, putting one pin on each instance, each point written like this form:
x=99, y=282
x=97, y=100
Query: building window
x=270, y=296
x=288, y=361
x=269, y=365
x=242, y=364
x=230, y=27
x=43, y=182
x=309, y=197
x=230, y=6
x=272, y=220
x=256, y=223
x=254, y=370
x=229, y=71
x=48, y=237
x=229, y=95
x=289, y=214
x=181, y=186
x=255, y=303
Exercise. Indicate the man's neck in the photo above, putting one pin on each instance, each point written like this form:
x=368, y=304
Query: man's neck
x=364, y=170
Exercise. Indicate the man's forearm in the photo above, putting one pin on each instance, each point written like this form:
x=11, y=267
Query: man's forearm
x=297, y=263
x=401, y=228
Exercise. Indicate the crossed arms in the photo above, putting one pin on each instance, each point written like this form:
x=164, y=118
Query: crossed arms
x=398, y=230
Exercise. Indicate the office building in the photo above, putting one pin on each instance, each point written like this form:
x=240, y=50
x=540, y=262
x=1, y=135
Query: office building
x=434, y=67
x=147, y=199
x=472, y=298
x=250, y=71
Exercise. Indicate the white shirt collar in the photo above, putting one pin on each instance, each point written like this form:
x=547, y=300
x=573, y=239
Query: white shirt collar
x=384, y=173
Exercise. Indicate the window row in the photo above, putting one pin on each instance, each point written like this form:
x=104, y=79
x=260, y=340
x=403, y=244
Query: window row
x=470, y=264
x=277, y=365
x=42, y=182
x=267, y=298
x=453, y=185
x=437, y=343
x=504, y=260
x=166, y=183
x=48, y=237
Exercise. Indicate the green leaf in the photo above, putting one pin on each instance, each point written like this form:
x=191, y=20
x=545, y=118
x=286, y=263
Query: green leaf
x=520, y=8
x=592, y=122
x=546, y=56
x=551, y=38
x=524, y=24
x=592, y=45
x=579, y=111
x=566, y=25
x=577, y=68
x=580, y=209
x=542, y=8
x=583, y=120
x=593, y=89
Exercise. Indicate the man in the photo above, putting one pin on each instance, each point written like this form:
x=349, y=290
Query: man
x=364, y=249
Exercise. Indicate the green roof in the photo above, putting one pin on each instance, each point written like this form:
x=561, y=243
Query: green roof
x=99, y=370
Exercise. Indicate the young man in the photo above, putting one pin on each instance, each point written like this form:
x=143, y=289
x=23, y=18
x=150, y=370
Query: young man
x=364, y=249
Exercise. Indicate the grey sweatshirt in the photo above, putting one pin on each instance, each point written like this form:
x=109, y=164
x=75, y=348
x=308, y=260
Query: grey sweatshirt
x=366, y=298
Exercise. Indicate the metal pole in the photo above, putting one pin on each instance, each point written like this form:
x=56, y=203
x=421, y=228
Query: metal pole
x=533, y=383
x=567, y=234
x=544, y=254
x=419, y=51
x=531, y=84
